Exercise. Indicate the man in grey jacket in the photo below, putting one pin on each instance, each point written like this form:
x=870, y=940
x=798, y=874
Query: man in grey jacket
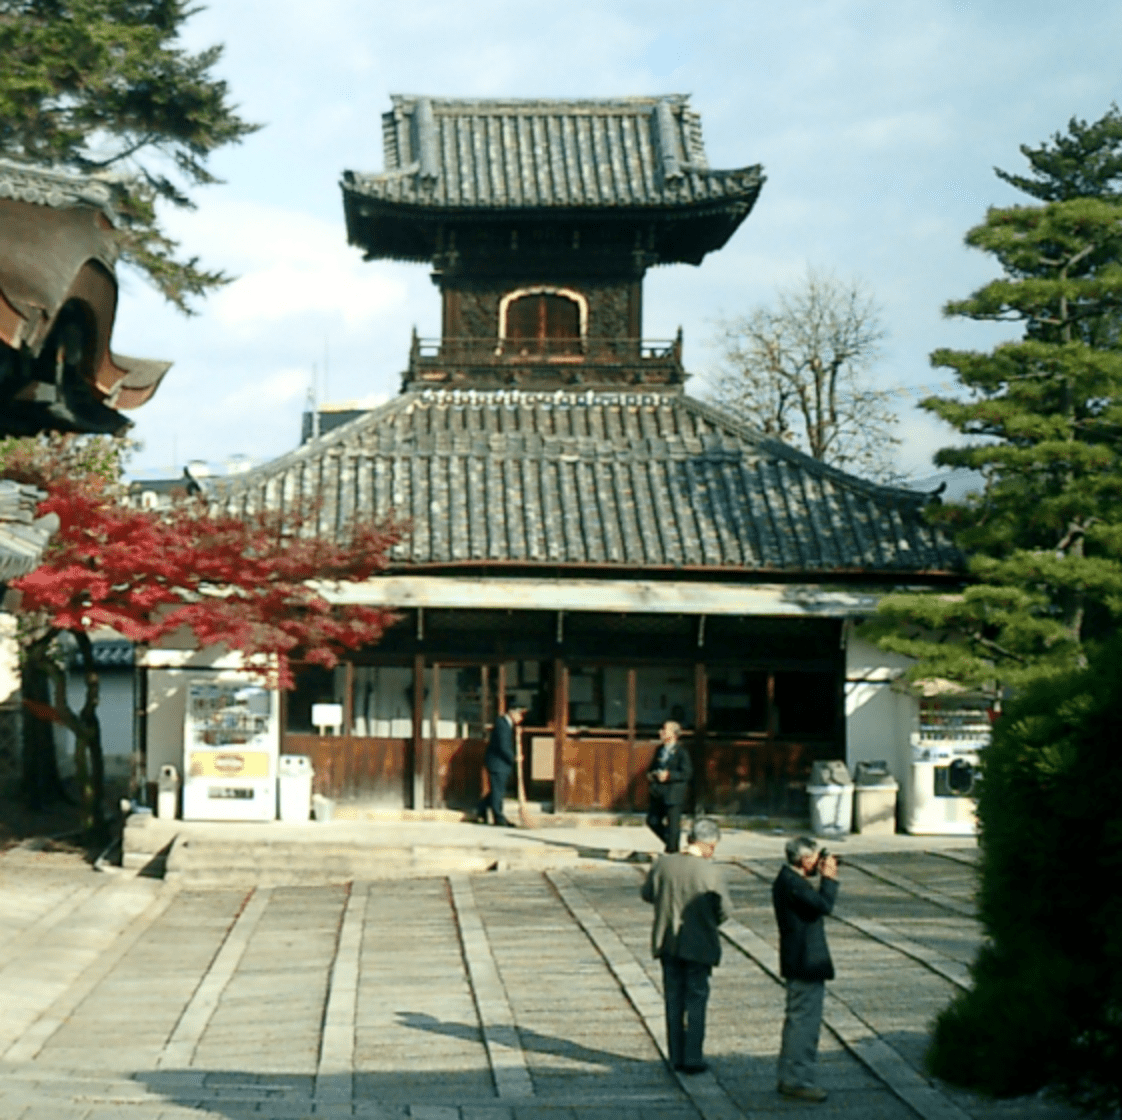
x=690, y=900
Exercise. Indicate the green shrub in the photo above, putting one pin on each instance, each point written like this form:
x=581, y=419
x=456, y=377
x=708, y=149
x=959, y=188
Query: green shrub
x=1046, y=1006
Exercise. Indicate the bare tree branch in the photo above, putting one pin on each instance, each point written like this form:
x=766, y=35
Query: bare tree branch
x=797, y=371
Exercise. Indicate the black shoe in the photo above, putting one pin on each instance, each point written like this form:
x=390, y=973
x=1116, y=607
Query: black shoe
x=701, y=1067
x=502, y=822
x=809, y=1093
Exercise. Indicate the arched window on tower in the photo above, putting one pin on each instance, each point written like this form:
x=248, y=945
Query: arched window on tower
x=541, y=324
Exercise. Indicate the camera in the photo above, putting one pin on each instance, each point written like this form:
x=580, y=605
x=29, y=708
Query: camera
x=823, y=855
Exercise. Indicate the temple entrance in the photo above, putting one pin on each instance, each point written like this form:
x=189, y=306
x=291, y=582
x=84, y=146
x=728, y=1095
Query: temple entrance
x=757, y=703
x=462, y=701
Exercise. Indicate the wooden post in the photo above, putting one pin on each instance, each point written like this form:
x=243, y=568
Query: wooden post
x=433, y=799
x=701, y=788
x=418, y=792
x=632, y=706
x=560, y=720
x=770, y=753
x=348, y=698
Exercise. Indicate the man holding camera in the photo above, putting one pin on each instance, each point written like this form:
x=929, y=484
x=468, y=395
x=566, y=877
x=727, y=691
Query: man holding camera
x=804, y=960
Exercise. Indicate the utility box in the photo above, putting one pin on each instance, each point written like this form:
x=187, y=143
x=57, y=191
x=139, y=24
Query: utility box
x=294, y=787
x=167, y=796
x=831, y=798
x=874, y=799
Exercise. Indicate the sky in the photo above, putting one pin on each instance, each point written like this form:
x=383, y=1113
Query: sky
x=878, y=125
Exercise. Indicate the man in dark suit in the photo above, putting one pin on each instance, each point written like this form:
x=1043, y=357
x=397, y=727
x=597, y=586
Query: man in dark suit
x=499, y=761
x=690, y=900
x=804, y=961
x=669, y=776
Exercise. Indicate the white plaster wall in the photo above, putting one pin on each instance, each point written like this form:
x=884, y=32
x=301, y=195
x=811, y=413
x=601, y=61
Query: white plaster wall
x=9, y=696
x=116, y=701
x=879, y=718
x=9, y=660
x=164, y=717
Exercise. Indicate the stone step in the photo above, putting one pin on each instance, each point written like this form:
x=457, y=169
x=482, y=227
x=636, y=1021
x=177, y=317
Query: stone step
x=212, y=862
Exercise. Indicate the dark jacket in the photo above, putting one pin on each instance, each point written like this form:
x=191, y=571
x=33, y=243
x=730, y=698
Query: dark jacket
x=690, y=901
x=799, y=910
x=500, y=747
x=673, y=790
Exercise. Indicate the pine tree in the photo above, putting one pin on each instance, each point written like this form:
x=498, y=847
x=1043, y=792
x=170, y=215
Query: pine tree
x=1044, y=538
x=102, y=86
x=1086, y=163
x=1037, y=621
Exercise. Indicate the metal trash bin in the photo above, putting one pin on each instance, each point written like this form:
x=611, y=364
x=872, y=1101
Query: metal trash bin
x=294, y=787
x=167, y=795
x=831, y=798
x=874, y=799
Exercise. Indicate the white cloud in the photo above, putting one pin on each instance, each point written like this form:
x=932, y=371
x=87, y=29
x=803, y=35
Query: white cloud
x=278, y=388
x=289, y=266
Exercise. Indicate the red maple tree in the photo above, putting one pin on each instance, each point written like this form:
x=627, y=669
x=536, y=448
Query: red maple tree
x=251, y=584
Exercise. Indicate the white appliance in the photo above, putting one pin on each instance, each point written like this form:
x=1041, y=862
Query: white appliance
x=230, y=746
x=940, y=797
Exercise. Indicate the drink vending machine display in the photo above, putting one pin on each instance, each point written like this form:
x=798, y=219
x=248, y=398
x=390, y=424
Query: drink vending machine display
x=231, y=743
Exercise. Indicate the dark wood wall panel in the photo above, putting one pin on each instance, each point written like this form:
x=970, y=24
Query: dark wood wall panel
x=351, y=768
x=459, y=772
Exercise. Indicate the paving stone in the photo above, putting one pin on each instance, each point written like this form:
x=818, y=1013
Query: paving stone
x=419, y=1051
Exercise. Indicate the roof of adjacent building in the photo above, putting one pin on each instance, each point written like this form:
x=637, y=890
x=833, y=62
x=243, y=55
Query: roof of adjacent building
x=60, y=241
x=488, y=157
x=49, y=186
x=630, y=481
x=23, y=535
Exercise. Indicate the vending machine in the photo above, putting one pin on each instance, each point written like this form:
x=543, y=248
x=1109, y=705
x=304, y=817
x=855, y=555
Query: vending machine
x=942, y=787
x=231, y=743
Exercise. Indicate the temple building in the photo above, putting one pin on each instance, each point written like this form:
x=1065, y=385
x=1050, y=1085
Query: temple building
x=585, y=538
x=59, y=244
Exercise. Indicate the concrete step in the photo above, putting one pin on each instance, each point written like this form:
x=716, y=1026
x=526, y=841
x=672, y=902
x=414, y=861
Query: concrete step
x=215, y=861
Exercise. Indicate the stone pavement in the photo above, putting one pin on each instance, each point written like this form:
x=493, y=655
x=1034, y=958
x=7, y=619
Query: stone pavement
x=504, y=995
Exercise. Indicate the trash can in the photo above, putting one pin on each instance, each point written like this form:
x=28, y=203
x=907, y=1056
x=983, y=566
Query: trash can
x=167, y=796
x=831, y=798
x=294, y=787
x=874, y=799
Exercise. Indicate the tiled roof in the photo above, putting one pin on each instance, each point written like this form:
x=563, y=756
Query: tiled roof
x=626, y=152
x=45, y=186
x=617, y=479
x=22, y=536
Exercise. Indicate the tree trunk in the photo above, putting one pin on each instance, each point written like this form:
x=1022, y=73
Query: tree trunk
x=40, y=780
x=89, y=764
x=93, y=793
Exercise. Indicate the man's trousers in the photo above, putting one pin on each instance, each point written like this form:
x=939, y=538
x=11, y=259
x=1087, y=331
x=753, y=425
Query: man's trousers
x=685, y=992
x=493, y=799
x=665, y=821
x=798, y=1053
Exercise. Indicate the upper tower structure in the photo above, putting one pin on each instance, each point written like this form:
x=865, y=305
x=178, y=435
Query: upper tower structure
x=540, y=219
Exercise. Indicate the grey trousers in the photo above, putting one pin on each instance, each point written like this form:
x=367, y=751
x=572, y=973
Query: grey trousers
x=801, y=1024
x=685, y=992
